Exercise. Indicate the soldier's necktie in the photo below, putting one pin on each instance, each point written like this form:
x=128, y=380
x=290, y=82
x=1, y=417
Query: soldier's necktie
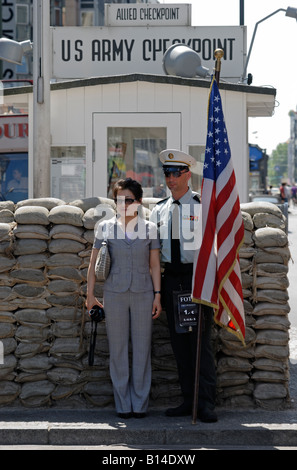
x=175, y=244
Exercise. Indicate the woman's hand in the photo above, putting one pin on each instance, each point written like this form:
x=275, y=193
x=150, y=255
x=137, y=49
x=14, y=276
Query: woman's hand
x=91, y=301
x=157, y=307
x=156, y=277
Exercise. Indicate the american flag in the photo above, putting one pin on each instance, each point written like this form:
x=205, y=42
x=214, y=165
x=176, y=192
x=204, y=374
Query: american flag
x=217, y=277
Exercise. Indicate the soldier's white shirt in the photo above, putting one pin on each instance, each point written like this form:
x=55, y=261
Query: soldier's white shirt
x=189, y=222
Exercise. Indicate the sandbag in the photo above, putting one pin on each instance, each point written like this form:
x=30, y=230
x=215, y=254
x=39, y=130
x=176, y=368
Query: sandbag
x=65, y=246
x=267, y=391
x=67, y=231
x=29, y=247
x=92, y=202
x=273, y=337
x=6, y=216
x=32, y=215
x=96, y=214
x=5, y=231
x=268, y=220
x=34, y=261
x=47, y=202
x=6, y=264
x=66, y=215
x=31, y=231
x=7, y=205
x=253, y=208
x=9, y=391
x=270, y=237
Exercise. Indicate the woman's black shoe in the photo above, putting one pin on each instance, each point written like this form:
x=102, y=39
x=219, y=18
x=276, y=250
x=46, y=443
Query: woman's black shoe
x=125, y=415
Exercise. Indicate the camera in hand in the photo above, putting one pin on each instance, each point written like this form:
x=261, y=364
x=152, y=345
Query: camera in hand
x=97, y=313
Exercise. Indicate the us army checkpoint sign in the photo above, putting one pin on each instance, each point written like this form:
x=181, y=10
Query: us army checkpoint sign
x=82, y=52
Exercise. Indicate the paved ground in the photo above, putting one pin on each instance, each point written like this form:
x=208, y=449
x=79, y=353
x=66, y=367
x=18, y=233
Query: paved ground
x=102, y=430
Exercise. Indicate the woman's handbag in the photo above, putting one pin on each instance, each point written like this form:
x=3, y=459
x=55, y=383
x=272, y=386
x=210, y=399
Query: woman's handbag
x=102, y=265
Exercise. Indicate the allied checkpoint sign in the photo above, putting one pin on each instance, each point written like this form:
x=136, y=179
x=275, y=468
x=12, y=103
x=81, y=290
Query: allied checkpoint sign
x=148, y=14
x=134, y=43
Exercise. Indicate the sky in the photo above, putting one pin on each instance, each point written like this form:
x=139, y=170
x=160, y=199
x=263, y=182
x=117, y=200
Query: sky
x=273, y=60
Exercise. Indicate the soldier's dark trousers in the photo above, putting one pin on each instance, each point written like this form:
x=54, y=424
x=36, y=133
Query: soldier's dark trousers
x=184, y=345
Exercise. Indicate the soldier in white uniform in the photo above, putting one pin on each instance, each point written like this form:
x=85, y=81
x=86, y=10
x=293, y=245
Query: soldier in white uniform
x=177, y=253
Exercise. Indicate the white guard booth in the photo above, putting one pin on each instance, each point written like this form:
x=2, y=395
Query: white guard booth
x=109, y=127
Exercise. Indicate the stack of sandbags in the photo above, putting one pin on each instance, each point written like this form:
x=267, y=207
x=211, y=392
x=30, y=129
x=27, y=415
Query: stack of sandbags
x=7, y=261
x=271, y=308
x=97, y=388
x=9, y=389
x=234, y=366
x=45, y=255
x=234, y=360
x=264, y=266
x=165, y=388
x=69, y=250
x=33, y=333
x=45, y=248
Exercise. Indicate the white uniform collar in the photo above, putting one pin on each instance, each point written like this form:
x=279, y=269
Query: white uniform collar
x=185, y=199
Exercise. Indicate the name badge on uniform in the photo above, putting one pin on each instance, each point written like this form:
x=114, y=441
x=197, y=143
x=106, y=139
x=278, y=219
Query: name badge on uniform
x=185, y=311
x=191, y=226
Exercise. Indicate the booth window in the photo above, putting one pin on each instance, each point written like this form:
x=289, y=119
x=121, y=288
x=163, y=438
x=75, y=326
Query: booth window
x=13, y=176
x=134, y=152
x=68, y=173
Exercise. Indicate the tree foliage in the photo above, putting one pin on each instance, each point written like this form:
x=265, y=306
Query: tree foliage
x=278, y=165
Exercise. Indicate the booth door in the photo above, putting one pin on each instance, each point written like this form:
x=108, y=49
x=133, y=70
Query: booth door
x=128, y=145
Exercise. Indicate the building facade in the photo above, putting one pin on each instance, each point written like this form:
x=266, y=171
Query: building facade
x=103, y=128
x=115, y=123
x=16, y=21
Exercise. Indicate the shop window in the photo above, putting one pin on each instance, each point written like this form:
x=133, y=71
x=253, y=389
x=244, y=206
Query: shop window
x=68, y=173
x=13, y=176
x=87, y=18
x=134, y=152
x=22, y=14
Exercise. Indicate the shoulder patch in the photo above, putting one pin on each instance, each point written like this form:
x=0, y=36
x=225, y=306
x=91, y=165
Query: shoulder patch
x=162, y=200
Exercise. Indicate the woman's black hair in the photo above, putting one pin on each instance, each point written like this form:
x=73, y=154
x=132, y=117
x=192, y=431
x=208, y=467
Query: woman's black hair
x=130, y=184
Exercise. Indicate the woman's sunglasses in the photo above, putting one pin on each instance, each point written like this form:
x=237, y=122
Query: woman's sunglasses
x=127, y=200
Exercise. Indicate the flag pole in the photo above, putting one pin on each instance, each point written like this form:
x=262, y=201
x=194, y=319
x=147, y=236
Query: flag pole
x=219, y=53
x=197, y=366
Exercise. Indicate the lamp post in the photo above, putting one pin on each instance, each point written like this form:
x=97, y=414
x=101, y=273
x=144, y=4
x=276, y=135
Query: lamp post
x=41, y=98
x=12, y=51
x=290, y=12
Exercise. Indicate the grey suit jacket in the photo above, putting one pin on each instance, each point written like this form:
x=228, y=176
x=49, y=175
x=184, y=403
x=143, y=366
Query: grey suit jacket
x=129, y=257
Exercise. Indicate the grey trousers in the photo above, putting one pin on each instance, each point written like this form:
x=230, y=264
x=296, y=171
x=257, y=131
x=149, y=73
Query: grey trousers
x=129, y=313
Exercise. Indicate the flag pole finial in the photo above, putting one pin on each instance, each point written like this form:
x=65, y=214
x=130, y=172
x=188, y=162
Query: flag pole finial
x=219, y=54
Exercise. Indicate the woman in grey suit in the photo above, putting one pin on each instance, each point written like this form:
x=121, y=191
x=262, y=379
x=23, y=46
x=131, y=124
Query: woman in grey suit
x=132, y=296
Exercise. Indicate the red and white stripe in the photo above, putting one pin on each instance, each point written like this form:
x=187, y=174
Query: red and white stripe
x=217, y=278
